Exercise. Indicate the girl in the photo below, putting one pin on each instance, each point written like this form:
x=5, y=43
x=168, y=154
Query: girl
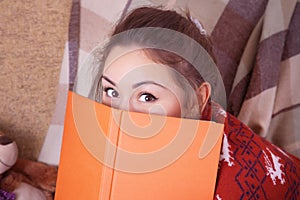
x=161, y=62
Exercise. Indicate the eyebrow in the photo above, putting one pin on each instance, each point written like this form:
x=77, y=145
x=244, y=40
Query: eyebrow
x=147, y=82
x=108, y=80
x=136, y=84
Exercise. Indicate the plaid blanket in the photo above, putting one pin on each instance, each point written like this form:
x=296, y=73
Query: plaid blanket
x=257, y=46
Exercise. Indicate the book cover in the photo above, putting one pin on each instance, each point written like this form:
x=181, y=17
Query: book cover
x=110, y=154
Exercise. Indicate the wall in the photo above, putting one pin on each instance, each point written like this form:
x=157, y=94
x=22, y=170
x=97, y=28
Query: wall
x=33, y=34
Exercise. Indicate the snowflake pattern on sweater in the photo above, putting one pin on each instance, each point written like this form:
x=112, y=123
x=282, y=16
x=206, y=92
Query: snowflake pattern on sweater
x=252, y=168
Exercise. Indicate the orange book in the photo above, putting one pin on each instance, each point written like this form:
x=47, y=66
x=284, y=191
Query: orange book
x=110, y=154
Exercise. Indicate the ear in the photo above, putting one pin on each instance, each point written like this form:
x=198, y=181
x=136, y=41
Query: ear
x=203, y=93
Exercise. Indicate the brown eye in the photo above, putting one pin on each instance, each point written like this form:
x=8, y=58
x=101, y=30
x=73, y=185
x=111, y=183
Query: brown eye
x=112, y=93
x=147, y=97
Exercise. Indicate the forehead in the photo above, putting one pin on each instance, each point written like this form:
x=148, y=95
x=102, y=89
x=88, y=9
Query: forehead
x=125, y=59
x=133, y=65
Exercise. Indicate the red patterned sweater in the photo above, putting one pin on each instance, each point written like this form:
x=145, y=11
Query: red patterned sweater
x=252, y=168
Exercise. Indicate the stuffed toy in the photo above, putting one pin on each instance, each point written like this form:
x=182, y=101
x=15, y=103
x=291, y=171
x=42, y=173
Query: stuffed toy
x=22, y=179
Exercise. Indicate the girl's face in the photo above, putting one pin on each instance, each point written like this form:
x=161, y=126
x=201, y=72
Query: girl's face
x=134, y=82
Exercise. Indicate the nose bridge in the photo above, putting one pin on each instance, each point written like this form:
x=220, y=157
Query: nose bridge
x=123, y=103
